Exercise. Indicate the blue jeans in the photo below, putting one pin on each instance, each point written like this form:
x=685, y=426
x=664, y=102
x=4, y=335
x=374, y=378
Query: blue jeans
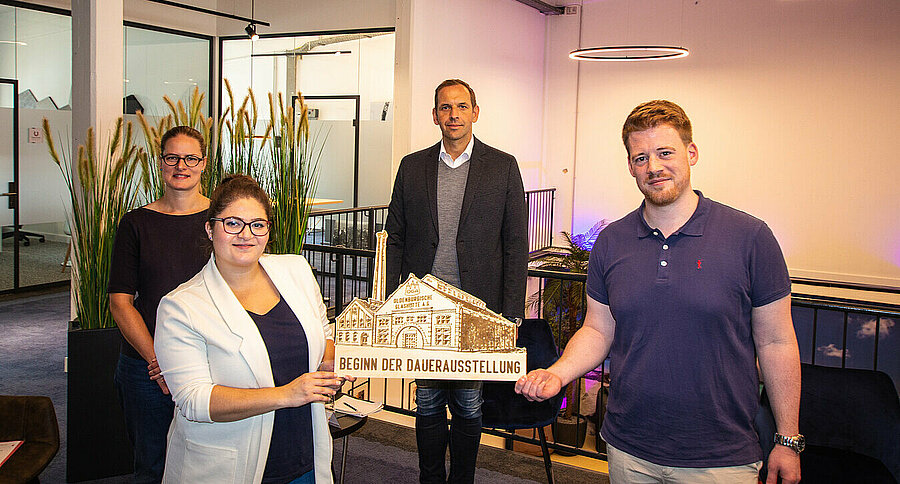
x=308, y=478
x=148, y=413
x=432, y=437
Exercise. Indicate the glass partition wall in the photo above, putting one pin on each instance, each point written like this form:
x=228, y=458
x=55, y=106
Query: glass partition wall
x=347, y=80
x=35, y=51
x=36, y=57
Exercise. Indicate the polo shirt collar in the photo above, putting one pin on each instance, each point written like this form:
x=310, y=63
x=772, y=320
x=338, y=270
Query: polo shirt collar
x=693, y=227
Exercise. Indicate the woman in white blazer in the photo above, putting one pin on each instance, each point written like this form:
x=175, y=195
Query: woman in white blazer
x=232, y=366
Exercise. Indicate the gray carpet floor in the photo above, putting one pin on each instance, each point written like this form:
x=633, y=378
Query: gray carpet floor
x=33, y=346
x=39, y=263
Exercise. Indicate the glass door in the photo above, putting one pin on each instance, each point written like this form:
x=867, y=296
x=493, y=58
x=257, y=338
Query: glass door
x=334, y=129
x=9, y=161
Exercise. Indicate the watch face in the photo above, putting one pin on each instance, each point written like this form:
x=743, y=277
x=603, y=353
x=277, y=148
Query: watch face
x=800, y=443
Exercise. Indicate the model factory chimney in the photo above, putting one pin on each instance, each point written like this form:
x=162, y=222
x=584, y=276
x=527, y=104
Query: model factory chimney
x=380, y=269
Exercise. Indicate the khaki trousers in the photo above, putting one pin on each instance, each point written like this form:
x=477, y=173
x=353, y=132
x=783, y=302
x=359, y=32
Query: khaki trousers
x=625, y=468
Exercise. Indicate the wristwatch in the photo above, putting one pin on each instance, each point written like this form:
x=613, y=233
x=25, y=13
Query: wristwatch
x=796, y=442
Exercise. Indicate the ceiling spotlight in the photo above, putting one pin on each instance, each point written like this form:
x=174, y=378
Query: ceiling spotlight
x=251, y=31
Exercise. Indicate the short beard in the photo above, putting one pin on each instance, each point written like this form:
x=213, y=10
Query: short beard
x=666, y=197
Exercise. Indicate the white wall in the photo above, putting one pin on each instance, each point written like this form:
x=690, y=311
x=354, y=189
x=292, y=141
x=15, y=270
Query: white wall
x=794, y=104
x=497, y=46
x=43, y=195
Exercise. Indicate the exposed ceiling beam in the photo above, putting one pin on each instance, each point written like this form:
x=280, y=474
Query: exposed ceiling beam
x=543, y=7
x=210, y=12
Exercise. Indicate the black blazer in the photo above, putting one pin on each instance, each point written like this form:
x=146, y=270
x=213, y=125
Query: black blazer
x=491, y=243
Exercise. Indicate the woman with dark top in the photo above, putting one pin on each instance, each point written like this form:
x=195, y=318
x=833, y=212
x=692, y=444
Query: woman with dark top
x=158, y=246
x=240, y=345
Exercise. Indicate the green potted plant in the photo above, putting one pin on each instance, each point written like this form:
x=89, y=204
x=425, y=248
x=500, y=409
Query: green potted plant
x=102, y=187
x=560, y=302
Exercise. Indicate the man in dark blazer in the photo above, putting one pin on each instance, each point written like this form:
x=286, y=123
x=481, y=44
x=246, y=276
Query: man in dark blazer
x=458, y=212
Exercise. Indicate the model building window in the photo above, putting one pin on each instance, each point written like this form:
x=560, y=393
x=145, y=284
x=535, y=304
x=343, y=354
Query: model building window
x=442, y=319
x=384, y=335
x=421, y=319
x=442, y=336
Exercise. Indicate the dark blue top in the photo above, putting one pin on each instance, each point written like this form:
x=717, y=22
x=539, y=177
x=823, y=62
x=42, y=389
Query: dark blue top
x=683, y=378
x=291, y=450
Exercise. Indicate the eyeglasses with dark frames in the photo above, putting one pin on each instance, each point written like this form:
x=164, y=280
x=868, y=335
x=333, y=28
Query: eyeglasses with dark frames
x=190, y=161
x=234, y=225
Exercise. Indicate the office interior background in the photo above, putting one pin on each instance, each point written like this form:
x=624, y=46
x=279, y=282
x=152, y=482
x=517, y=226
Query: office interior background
x=794, y=105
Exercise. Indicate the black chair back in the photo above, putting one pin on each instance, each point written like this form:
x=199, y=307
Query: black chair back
x=503, y=408
x=851, y=421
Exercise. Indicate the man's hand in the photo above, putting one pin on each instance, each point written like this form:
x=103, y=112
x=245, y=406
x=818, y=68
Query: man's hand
x=539, y=385
x=784, y=463
x=156, y=375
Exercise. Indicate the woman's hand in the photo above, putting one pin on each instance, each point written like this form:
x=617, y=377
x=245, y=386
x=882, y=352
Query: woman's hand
x=318, y=386
x=328, y=365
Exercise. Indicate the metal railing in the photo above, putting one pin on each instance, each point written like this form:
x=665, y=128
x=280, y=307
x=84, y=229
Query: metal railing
x=343, y=273
x=843, y=332
x=348, y=227
x=540, y=218
x=356, y=227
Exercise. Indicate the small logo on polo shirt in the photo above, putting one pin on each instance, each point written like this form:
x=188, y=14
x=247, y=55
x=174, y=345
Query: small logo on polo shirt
x=699, y=264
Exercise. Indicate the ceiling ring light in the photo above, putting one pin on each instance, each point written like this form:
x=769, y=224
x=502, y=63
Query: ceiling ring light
x=628, y=53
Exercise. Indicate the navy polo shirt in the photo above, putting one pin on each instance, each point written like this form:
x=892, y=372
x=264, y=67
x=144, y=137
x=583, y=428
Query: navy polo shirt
x=683, y=378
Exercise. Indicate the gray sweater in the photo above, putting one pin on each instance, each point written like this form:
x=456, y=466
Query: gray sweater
x=451, y=186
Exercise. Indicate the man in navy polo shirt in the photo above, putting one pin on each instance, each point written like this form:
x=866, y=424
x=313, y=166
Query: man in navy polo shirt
x=685, y=295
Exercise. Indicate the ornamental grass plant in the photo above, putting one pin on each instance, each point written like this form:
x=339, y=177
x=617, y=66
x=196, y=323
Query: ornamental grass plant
x=104, y=186
x=180, y=116
x=283, y=159
x=291, y=178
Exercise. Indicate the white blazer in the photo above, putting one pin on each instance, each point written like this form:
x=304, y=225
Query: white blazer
x=204, y=337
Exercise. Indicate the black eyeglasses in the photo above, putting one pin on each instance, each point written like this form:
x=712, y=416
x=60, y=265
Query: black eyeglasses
x=234, y=225
x=190, y=161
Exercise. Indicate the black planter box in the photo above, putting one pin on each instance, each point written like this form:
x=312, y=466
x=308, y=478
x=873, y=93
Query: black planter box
x=97, y=444
x=572, y=434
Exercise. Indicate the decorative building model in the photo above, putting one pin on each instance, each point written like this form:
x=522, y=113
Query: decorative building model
x=425, y=329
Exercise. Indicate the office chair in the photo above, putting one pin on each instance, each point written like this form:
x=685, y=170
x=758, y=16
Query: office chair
x=33, y=420
x=851, y=421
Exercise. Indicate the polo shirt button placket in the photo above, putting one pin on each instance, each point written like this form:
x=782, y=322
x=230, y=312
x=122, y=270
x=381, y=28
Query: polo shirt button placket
x=662, y=272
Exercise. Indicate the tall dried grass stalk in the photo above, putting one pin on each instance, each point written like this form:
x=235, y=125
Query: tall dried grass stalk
x=283, y=159
x=102, y=189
